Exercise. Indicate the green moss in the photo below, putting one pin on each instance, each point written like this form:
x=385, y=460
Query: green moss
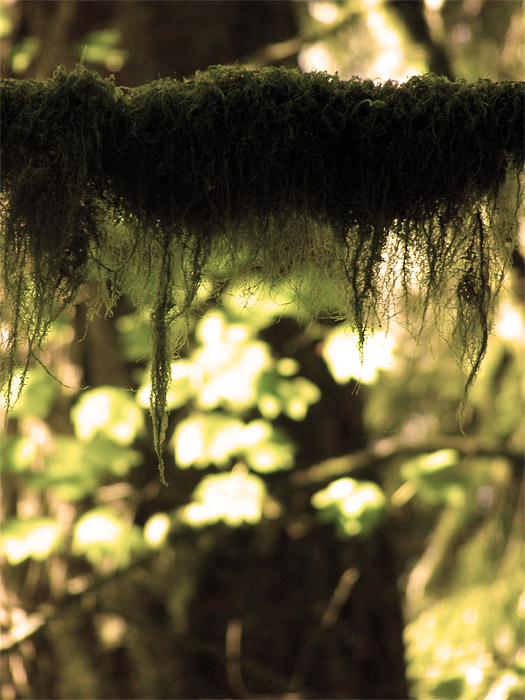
x=381, y=190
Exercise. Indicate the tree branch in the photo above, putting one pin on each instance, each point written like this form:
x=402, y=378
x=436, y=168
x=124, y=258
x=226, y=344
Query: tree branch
x=382, y=451
x=273, y=53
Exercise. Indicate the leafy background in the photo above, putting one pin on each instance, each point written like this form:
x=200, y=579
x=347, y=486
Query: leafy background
x=328, y=530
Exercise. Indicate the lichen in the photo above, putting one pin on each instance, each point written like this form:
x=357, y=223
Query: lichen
x=376, y=192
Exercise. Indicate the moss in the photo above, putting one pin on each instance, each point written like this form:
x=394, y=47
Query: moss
x=380, y=190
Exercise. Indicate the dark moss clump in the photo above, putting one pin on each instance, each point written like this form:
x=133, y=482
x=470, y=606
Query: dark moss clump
x=52, y=197
x=379, y=190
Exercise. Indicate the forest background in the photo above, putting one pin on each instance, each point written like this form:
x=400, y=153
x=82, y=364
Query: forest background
x=329, y=531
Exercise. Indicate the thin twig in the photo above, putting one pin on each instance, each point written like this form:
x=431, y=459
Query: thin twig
x=327, y=622
x=233, y=659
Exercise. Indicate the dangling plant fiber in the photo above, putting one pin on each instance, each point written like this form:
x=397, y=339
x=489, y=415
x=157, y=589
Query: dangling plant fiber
x=375, y=191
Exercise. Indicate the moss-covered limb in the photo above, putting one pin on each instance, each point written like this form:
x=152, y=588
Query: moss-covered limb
x=373, y=191
x=233, y=143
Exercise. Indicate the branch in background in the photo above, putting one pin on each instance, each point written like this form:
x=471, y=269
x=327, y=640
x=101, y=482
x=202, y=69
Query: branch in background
x=234, y=672
x=381, y=452
x=449, y=523
x=412, y=14
x=274, y=53
x=327, y=622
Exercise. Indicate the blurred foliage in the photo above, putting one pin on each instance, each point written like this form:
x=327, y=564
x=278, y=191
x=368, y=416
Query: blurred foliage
x=35, y=538
x=234, y=498
x=101, y=47
x=355, y=506
x=102, y=535
x=435, y=478
x=107, y=412
x=228, y=391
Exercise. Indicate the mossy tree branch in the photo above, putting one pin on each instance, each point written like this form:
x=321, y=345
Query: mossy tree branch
x=374, y=191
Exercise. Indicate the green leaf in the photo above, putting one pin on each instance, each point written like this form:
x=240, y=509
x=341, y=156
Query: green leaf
x=17, y=453
x=157, y=529
x=101, y=46
x=298, y=395
x=67, y=472
x=103, y=536
x=265, y=448
x=205, y=439
x=38, y=396
x=345, y=361
x=75, y=469
x=216, y=438
x=292, y=396
x=33, y=538
x=110, y=412
x=436, y=477
x=355, y=506
x=233, y=498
